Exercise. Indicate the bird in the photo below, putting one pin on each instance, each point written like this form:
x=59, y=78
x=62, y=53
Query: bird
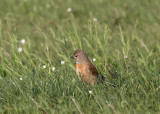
x=86, y=70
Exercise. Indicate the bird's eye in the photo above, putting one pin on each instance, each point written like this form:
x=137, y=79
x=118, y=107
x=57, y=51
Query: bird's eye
x=76, y=56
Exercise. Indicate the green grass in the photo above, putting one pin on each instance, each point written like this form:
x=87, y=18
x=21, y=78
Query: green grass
x=123, y=28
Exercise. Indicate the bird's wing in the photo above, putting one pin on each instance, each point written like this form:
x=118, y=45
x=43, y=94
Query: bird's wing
x=94, y=72
x=93, y=69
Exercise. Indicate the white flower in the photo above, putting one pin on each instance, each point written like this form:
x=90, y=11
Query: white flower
x=94, y=59
x=44, y=66
x=20, y=49
x=90, y=92
x=53, y=68
x=126, y=57
x=62, y=62
x=23, y=41
x=95, y=19
x=20, y=78
x=69, y=9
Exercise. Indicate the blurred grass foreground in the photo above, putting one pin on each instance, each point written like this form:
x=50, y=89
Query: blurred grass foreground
x=37, y=38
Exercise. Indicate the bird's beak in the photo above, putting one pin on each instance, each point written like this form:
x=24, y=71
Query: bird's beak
x=72, y=56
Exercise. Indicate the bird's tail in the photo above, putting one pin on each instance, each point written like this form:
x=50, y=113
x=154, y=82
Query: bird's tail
x=102, y=79
x=113, y=85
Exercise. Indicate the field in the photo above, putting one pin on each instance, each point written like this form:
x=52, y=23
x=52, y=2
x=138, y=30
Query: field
x=37, y=38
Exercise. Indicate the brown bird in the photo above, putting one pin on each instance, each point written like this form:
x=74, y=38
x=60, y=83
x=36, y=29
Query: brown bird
x=86, y=69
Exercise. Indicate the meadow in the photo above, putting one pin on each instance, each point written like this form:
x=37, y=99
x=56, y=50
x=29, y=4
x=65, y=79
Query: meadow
x=37, y=38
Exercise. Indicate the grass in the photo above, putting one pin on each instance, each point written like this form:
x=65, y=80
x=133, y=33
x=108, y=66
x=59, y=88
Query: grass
x=125, y=40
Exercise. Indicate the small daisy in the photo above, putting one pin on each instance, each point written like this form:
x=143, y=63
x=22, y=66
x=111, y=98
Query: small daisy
x=20, y=49
x=23, y=41
x=69, y=9
x=94, y=59
x=53, y=68
x=21, y=78
x=44, y=66
x=126, y=57
x=90, y=92
x=62, y=62
x=95, y=19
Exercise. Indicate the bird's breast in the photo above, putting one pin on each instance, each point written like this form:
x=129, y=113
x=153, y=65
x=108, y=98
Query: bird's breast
x=80, y=69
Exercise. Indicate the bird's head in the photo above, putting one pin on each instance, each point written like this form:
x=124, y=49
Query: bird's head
x=80, y=56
